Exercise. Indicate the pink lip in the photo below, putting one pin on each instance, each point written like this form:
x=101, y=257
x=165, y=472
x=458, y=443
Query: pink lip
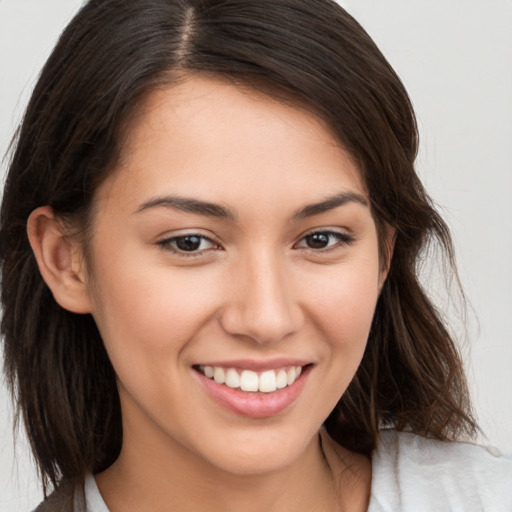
x=254, y=405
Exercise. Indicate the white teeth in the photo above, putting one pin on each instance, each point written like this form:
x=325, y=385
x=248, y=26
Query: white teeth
x=218, y=375
x=267, y=381
x=281, y=380
x=291, y=376
x=248, y=380
x=232, y=378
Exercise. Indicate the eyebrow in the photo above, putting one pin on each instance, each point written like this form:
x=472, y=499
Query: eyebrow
x=189, y=205
x=208, y=209
x=330, y=203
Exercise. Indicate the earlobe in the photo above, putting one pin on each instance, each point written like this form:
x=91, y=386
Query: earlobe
x=58, y=262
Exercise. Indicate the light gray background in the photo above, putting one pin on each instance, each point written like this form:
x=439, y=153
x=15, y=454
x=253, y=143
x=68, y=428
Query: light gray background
x=455, y=58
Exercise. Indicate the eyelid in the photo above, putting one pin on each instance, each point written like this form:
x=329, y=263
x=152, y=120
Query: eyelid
x=343, y=239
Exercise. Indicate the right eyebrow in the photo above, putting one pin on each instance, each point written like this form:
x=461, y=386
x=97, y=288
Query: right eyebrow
x=189, y=205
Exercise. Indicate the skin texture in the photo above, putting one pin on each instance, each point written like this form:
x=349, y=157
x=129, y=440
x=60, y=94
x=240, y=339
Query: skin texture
x=254, y=291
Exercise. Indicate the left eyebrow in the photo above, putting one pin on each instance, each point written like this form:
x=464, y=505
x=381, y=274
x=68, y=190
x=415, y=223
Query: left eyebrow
x=329, y=204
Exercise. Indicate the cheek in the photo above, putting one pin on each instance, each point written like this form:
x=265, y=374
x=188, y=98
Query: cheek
x=148, y=318
x=342, y=303
x=140, y=305
x=340, y=309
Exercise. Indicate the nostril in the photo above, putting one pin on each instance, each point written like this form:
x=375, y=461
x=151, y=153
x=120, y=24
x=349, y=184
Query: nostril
x=264, y=327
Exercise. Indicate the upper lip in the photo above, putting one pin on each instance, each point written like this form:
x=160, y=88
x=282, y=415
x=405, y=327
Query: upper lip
x=258, y=365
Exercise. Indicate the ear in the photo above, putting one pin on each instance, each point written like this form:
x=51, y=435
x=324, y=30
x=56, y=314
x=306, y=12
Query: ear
x=388, y=249
x=59, y=260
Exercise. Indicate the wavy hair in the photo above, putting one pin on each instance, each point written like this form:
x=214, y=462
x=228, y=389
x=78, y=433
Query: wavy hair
x=112, y=54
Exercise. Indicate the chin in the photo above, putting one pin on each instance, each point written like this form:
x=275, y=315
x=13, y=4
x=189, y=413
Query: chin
x=259, y=452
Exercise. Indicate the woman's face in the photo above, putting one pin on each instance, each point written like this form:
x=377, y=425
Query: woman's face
x=235, y=240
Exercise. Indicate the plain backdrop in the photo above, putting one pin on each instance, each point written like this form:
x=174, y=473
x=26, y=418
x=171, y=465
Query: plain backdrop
x=455, y=58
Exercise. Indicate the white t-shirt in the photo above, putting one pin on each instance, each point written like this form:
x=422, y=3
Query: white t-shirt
x=414, y=474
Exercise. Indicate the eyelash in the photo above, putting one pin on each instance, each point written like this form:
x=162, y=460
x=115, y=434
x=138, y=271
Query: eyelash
x=342, y=240
x=167, y=244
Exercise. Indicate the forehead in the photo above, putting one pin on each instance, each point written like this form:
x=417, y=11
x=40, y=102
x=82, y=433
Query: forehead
x=210, y=137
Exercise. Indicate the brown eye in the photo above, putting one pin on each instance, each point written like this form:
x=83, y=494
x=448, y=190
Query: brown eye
x=325, y=240
x=188, y=245
x=317, y=240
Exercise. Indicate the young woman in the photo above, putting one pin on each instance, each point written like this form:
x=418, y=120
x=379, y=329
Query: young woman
x=209, y=239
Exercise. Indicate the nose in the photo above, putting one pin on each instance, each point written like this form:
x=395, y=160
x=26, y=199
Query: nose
x=261, y=302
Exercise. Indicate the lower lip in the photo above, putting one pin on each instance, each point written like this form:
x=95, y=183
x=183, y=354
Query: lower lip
x=254, y=405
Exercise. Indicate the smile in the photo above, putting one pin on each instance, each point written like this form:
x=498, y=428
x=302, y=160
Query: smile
x=250, y=381
x=253, y=390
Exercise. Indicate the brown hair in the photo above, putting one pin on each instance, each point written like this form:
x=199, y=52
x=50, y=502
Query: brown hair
x=111, y=55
